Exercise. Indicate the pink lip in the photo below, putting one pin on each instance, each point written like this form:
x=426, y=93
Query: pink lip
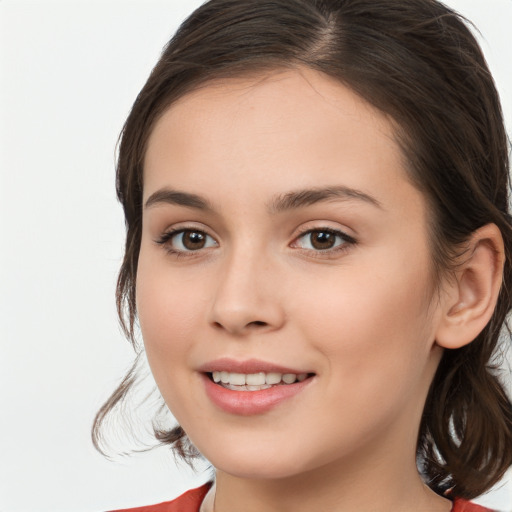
x=247, y=403
x=226, y=364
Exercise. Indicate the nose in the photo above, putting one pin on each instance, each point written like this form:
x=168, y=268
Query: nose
x=247, y=296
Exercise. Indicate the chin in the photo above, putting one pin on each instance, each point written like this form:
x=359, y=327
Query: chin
x=264, y=470
x=257, y=462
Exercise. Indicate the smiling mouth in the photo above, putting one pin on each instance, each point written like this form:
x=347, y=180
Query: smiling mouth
x=255, y=381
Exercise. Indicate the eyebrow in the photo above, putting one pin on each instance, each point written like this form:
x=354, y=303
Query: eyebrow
x=169, y=196
x=300, y=198
x=281, y=203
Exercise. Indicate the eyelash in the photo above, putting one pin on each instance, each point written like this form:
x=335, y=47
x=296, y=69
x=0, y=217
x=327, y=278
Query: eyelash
x=166, y=238
x=347, y=241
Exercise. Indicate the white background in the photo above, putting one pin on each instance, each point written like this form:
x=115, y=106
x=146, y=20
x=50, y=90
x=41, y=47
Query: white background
x=69, y=72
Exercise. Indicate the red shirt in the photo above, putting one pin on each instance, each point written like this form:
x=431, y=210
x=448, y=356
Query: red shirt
x=191, y=501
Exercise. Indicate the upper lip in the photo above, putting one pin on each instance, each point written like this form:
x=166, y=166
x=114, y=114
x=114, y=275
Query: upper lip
x=225, y=364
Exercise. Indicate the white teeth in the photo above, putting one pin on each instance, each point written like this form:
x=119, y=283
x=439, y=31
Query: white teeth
x=289, y=378
x=238, y=379
x=273, y=378
x=257, y=388
x=255, y=381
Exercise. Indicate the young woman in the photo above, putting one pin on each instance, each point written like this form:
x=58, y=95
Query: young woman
x=318, y=254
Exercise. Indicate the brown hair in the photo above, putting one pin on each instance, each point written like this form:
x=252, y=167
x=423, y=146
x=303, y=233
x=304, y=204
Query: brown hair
x=418, y=62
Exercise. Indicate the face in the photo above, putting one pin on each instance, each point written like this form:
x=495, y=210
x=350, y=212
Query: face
x=285, y=252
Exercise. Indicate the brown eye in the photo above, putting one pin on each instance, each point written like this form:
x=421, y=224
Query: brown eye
x=187, y=240
x=193, y=240
x=323, y=239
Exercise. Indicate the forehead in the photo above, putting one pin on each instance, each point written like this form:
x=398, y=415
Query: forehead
x=281, y=127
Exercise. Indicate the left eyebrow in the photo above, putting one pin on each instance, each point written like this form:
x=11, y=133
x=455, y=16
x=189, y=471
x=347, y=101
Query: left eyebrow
x=307, y=197
x=170, y=196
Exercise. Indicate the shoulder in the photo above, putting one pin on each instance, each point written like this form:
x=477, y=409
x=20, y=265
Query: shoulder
x=460, y=505
x=187, y=502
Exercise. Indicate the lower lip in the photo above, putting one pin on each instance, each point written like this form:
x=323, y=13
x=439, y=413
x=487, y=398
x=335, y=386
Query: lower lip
x=247, y=403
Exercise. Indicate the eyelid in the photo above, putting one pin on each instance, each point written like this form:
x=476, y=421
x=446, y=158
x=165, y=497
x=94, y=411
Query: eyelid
x=165, y=238
x=347, y=241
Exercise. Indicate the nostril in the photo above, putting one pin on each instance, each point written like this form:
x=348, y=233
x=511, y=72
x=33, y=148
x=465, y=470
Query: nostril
x=239, y=327
x=258, y=323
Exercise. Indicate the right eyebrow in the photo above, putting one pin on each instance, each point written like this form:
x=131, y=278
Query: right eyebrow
x=170, y=196
x=301, y=198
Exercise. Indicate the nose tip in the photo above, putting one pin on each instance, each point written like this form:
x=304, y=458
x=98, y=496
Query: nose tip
x=247, y=317
x=245, y=301
x=239, y=326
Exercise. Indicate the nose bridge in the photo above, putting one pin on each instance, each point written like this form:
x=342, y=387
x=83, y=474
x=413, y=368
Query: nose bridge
x=245, y=296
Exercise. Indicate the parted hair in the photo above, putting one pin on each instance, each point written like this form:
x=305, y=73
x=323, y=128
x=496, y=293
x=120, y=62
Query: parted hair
x=418, y=62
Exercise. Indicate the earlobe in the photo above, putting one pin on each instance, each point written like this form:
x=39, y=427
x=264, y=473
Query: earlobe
x=471, y=296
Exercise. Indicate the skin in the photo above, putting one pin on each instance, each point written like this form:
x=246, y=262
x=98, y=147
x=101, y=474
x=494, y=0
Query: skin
x=363, y=316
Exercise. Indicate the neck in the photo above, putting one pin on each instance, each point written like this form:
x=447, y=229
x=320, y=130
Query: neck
x=374, y=479
x=380, y=489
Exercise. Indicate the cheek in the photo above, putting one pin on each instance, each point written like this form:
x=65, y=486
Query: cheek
x=165, y=313
x=373, y=326
x=167, y=310
x=168, y=321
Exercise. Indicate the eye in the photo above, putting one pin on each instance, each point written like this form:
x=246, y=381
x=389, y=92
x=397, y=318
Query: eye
x=322, y=239
x=186, y=240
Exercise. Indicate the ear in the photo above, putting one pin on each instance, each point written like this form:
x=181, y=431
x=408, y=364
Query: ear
x=469, y=299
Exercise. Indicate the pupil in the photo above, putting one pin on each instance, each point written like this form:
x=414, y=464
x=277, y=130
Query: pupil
x=322, y=240
x=193, y=240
